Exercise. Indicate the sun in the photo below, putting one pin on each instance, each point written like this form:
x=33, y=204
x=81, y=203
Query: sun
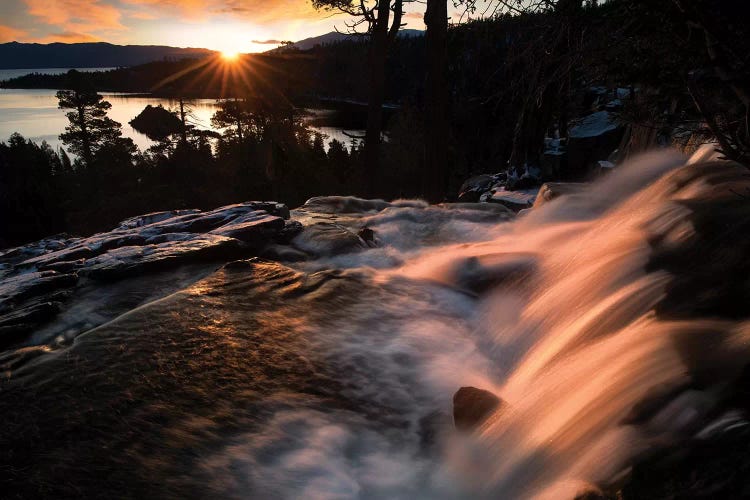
x=229, y=55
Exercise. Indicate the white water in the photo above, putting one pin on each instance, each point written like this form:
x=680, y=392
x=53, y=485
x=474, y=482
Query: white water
x=575, y=343
x=582, y=344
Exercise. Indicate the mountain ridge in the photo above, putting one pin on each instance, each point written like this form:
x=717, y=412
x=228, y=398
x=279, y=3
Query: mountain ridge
x=335, y=36
x=20, y=55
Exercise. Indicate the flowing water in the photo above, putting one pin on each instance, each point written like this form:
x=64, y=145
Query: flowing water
x=333, y=378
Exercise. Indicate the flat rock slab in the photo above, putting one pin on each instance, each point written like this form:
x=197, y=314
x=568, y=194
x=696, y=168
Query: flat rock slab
x=31, y=274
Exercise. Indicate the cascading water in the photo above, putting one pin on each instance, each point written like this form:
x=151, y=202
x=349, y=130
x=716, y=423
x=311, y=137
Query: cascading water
x=333, y=378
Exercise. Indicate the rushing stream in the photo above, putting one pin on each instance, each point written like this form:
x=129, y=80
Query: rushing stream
x=333, y=377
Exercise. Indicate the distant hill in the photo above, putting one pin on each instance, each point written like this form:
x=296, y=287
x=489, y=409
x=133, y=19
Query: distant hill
x=333, y=37
x=88, y=55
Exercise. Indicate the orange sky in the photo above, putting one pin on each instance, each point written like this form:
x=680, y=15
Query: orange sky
x=230, y=25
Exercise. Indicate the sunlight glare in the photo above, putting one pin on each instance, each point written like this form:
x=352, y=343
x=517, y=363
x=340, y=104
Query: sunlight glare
x=229, y=55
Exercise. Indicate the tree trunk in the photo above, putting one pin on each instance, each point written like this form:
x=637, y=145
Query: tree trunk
x=85, y=139
x=183, y=132
x=435, y=175
x=378, y=52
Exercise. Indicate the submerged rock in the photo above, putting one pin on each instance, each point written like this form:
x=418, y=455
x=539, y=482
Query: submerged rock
x=472, y=406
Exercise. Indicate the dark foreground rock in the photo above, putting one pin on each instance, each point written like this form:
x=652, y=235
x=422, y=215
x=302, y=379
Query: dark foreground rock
x=472, y=406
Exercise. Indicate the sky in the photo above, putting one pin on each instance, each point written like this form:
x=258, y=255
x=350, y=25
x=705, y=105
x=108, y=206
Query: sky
x=226, y=25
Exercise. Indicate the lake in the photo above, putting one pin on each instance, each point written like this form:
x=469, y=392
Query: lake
x=34, y=114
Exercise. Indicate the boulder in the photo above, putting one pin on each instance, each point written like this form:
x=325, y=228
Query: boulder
x=472, y=406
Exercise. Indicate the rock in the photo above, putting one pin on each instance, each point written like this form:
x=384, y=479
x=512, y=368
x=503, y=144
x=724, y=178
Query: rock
x=36, y=278
x=325, y=238
x=20, y=321
x=291, y=229
x=368, y=236
x=595, y=137
x=474, y=187
x=515, y=200
x=283, y=253
x=478, y=274
x=127, y=261
x=21, y=287
x=472, y=406
x=342, y=205
x=551, y=190
x=152, y=218
x=251, y=228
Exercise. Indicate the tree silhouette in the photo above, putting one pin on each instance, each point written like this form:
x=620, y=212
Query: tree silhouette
x=90, y=128
x=382, y=31
x=435, y=176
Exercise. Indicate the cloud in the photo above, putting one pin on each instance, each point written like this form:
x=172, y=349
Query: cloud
x=8, y=34
x=142, y=15
x=68, y=37
x=414, y=15
x=81, y=16
x=267, y=42
x=256, y=11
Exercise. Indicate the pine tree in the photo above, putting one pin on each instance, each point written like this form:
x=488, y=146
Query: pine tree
x=90, y=128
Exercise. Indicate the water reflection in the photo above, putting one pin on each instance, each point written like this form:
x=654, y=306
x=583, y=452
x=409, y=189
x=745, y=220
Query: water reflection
x=34, y=114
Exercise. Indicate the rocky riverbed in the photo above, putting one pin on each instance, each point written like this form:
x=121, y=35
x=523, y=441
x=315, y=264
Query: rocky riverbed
x=595, y=346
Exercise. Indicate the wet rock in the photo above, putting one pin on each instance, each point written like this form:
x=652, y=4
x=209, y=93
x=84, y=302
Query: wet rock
x=472, y=406
x=551, y=190
x=251, y=228
x=594, y=137
x=127, y=261
x=291, y=229
x=367, y=235
x=325, y=238
x=18, y=288
x=343, y=205
x=514, y=200
x=283, y=253
x=474, y=187
x=19, y=322
x=714, y=468
x=152, y=218
x=31, y=275
x=478, y=274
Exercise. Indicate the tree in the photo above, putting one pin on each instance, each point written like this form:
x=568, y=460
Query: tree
x=722, y=26
x=90, y=128
x=543, y=49
x=234, y=115
x=382, y=31
x=435, y=176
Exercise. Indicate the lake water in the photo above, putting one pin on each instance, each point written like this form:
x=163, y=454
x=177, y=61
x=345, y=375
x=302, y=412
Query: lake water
x=34, y=114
